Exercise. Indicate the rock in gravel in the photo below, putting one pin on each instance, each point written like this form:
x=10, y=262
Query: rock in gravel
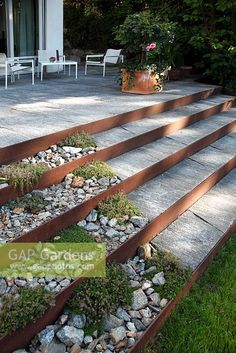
x=103, y=220
x=112, y=322
x=46, y=336
x=149, y=291
x=88, y=339
x=146, y=285
x=20, y=351
x=146, y=313
x=112, y=223
x=135, y=314
x=53, y=347
x=159, y=279
x=77, y=182
x=105, y=181
x=139, y=299
x=122, y=314
x=77, y=321
x=111, y=233
x=139, y=221
x=92, y=217
x=118, y=334
x=151, y=269
x=70, y=335
x=135, y=284
x=3, y=286
x=155, y=298
x=163, y=302
x=145, y=251
x=91, y=227
x=65, y=282
x=131, y=326
x=62, y=319
x=139, y=325
x=72, y=150
x=75, y=349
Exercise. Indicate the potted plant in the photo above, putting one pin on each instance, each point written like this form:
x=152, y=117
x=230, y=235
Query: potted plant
x=147, y=44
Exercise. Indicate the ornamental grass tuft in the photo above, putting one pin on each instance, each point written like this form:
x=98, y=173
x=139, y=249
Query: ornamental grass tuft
x=18, y=311
x=98, y=297
x=78, y=139
x=118, y=206
x=23, y=176
x=97, y=169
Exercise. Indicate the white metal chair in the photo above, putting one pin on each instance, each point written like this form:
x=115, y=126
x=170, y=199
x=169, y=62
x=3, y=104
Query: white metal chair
x=112, y=56
x=44, y=55
x=10, y=66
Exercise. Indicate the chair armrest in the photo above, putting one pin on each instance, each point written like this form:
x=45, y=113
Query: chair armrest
x=94, y=56
x=63, y=57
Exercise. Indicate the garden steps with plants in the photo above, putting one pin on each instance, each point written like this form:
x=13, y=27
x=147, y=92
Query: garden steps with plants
x=136, y=168
x=31, y=147
x=121, y=254
x=196, y=231
x=131, y=136
x=132, y=162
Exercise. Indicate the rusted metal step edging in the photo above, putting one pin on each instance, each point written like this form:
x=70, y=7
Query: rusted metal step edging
x=77, y=213
x=56, y=175
x=162, y=221
x=31, y=147
x=22, y=337
x=160, y=320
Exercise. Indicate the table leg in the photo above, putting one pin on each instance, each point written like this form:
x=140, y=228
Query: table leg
x=41, y=72
x=69, y=69
x=32, y=74
x=76, y=71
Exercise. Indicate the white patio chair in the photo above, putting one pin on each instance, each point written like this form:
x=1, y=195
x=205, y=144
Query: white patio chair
x=10, y=66
x=44, y=55
x=112, y=56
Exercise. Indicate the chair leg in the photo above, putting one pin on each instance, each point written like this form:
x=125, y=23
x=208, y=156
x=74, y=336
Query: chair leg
x=104, y=70
x=6, y=77
x=85, y=71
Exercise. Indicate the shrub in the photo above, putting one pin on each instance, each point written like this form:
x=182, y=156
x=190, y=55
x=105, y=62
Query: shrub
x=97, y=297
x=78, y=139
x=97, y=169
x=118, y=206
x=175, y=274
x=73, y=234
x=30, y=202
x=23, y=176
x=17, y=312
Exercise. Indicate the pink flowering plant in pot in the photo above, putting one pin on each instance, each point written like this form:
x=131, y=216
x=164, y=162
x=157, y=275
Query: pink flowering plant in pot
x=147, y=43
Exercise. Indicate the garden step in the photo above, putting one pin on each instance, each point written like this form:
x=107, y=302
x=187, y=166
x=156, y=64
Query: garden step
x=192, y=236
x=157, y=195
x=132, y=162
x=129, y=130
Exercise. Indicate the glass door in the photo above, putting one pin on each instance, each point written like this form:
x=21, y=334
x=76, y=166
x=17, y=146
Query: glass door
x=25, y=27
x=3, y=28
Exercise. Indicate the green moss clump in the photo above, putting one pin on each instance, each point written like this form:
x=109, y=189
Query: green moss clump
x=30, y=202
x=175, y=274
x=118, y=206
x=97, y=297
x=97, y=169
x=17, y=312
x=78, y=139
x=73, y=234
x=23, y=176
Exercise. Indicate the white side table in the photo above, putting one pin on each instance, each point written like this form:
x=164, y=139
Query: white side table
x=65, y=63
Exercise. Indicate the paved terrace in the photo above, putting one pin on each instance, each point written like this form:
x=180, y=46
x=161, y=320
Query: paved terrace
x=62, y=102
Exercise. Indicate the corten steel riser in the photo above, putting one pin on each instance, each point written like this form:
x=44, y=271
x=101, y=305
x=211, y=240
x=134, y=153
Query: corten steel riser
x=160, y=320
x=56, y=175
x=22, y=337
x=31, y=147
x=77, y=213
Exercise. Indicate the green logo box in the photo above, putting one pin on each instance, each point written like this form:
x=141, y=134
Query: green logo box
x=57, y=260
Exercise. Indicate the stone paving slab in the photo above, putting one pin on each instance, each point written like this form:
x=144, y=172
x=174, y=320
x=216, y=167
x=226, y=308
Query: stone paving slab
x=134, y=161
x=161, y=192
x=62, y=102
x=195, y=233
x=189, y=238
x=117, y=134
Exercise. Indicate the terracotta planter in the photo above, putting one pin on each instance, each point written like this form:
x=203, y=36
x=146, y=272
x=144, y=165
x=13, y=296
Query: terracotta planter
x=141, y=82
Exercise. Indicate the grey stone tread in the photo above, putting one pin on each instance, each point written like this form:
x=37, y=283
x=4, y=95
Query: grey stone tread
x=134, y=161
x=160, y=193
x=195, y=233
x=60, y=102
x=121, y=133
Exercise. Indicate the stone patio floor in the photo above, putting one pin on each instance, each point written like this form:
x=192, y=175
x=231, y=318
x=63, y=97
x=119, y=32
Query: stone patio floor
x=62, y=102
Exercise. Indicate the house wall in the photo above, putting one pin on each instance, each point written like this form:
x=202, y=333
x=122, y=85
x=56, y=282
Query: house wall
x=54, y=26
